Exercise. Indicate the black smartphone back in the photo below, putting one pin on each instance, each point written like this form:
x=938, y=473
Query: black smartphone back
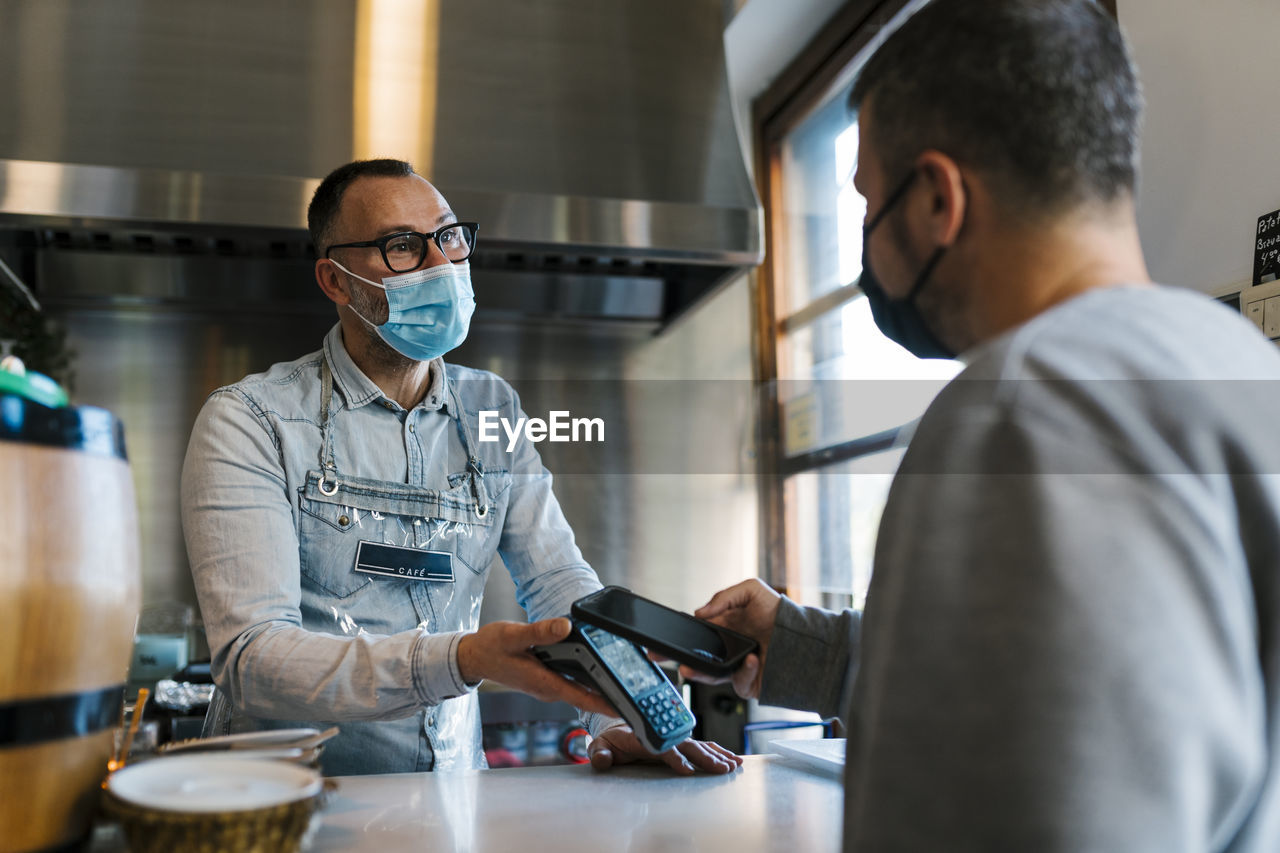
x=684, y=638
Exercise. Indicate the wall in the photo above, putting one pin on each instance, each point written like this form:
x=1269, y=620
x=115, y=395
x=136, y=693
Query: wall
x=761, y=40
x=1210, y=166
x=153, y=368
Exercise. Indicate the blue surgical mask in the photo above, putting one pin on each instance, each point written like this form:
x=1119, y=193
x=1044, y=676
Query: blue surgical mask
x=900, y=319
x=429, y=310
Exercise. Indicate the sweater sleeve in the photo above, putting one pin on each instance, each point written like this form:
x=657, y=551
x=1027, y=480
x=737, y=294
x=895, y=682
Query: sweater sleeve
x=811, y=659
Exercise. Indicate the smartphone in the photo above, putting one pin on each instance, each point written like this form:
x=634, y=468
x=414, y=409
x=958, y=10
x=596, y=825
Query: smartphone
x=619, y=669
x=683, y=638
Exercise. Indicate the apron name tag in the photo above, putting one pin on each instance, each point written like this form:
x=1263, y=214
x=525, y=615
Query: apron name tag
x=404, y=563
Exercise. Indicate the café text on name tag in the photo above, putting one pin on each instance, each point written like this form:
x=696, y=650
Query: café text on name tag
x=559, y=426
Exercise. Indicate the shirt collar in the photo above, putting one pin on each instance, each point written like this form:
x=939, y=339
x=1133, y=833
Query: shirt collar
x=359, y=390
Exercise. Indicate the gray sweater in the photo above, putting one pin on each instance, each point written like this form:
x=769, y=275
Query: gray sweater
x=1072, y=637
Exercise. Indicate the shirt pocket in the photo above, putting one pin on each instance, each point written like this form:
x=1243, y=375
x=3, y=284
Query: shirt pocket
x=474, y=547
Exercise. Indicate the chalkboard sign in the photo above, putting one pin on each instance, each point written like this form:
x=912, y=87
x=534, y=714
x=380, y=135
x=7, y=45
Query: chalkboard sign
x=1266, y=251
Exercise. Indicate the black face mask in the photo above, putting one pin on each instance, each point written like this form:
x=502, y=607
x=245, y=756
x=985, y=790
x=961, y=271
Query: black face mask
x=899, y=319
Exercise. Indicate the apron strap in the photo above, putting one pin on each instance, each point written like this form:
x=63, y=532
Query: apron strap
x=478, y=490
x=328, y=484
x=328, y=469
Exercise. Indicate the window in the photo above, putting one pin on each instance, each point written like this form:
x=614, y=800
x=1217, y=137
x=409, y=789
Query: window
x=837, y=394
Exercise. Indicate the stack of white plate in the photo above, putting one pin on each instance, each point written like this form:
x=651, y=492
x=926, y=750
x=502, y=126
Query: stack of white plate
x=300, y=746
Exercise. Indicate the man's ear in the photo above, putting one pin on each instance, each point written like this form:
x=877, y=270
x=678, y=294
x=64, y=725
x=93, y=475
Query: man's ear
x=948, y=195
x=330, y=281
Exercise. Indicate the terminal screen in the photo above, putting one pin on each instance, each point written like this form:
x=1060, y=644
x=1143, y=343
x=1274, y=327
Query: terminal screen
x=636, y=672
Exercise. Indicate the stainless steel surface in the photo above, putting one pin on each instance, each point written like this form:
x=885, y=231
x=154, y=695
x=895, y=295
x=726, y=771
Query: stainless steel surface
x=595, y=127
x=190, y=284
x=153, y=369
x=158, y=157
x=114, y=197
x=10, y=279
x=283, y=281
x=132, y=195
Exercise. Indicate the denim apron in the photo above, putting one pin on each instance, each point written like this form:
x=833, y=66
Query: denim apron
x=353, y=533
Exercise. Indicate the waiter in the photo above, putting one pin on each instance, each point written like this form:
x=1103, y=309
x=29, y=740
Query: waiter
x=340, y=515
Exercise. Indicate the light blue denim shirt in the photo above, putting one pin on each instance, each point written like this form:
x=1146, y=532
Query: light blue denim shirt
x=274, y=517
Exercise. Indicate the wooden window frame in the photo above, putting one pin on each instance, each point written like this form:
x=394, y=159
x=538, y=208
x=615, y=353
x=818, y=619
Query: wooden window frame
x=822, y=68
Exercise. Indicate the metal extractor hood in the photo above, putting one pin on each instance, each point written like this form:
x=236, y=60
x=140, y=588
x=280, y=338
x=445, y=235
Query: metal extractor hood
x=592, y=139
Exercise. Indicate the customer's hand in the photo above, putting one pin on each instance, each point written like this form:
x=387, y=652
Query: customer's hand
x=619, y=745
x=500, y=652
x=750, y=608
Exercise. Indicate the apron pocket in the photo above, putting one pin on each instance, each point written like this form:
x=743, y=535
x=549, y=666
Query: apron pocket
x=327, y=547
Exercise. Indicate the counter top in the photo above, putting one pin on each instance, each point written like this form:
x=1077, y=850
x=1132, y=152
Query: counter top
x=770, y=804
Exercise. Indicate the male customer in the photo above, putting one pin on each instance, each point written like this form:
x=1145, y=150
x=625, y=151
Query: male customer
x=341, y=515
x=1072, y=636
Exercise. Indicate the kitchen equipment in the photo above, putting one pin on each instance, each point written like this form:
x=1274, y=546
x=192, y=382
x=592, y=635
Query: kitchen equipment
x=69, y=589
x=160, y=646
x=214, y=803
x=593, y=139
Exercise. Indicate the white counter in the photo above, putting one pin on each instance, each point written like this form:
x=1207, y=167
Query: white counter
x=771, y=804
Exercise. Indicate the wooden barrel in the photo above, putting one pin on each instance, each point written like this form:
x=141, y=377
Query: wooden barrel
x=69, y=590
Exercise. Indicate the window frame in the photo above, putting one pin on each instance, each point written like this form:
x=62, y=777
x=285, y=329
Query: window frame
x=824, y=67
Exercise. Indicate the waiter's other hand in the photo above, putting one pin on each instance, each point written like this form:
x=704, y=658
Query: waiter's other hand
x=619, y=745
x=500, y=652
x=750, y=608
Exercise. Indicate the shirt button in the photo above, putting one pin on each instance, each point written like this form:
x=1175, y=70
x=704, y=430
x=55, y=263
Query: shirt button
x=431, y=721
x=411, y=428
x=343, y=520
x=388, y=404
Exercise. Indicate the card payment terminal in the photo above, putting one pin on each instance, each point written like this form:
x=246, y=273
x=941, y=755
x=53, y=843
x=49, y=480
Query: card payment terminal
x=617, y=668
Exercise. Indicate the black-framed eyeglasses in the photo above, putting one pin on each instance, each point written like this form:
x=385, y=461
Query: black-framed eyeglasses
x=404, y=251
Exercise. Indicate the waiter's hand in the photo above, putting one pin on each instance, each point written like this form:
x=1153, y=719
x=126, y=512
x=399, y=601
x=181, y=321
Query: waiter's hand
x=619, y=745
x=750, y=608
x=500, y=652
